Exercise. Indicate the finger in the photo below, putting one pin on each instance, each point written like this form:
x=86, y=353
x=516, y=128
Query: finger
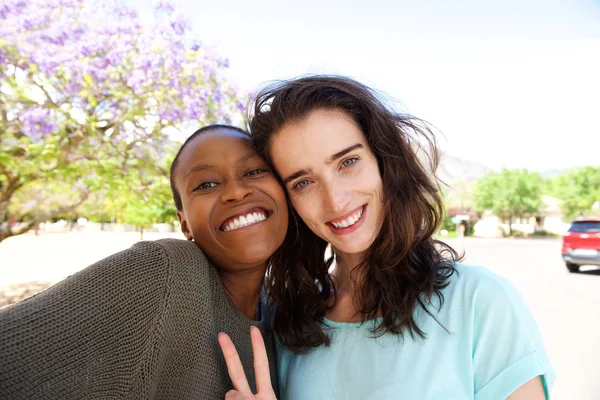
x=234, y=365
x=235, y=395
x=261, y=362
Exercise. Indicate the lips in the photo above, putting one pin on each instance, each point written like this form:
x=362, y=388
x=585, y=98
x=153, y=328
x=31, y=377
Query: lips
x=348, y=219
x=246, y=218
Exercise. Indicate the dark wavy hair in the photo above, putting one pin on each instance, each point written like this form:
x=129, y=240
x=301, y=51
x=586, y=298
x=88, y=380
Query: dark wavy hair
x=405, y=266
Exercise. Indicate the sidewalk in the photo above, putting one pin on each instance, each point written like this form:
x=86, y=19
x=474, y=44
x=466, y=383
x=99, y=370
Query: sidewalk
x=30, y=263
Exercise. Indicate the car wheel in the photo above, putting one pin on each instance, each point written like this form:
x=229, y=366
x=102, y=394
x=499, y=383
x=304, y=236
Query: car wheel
x=572, y=267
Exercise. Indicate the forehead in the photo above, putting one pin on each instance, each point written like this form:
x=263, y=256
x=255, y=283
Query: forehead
x=318, y=136
x=220, y=147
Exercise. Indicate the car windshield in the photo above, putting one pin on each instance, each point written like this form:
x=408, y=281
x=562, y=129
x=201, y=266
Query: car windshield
x=585, y=226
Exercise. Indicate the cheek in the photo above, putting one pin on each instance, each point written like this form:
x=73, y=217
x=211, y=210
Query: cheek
x=198, y=214
x=306, y=209
x=273, y=189
x=372, y=176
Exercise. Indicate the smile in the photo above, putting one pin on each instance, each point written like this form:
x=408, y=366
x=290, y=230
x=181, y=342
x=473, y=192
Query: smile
x=251, y=217
x=348, y=221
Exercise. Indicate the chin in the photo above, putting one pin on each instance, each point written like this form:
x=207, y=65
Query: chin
x=352, y=249
x=254, y=256
x=356, y=247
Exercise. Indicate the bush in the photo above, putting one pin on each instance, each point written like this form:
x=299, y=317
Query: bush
x=543, y=233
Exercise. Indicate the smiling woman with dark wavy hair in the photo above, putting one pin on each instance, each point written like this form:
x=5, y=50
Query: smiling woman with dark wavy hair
x=398, y=316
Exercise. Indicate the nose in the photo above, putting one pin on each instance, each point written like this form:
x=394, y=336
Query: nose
x=236, y=190
x=335, y=197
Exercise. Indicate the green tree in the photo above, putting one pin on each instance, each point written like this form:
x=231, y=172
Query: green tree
x=510, y=194
x=579, y=190
x=89, y=107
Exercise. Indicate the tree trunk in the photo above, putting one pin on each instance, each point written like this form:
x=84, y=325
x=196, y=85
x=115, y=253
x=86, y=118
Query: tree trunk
x=6, y=232
x=141, y=233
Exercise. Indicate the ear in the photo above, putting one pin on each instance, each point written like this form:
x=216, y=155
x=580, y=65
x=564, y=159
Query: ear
x=184, y=226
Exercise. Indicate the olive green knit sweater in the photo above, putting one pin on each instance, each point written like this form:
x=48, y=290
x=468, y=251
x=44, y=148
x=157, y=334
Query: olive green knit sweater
x=140, y=324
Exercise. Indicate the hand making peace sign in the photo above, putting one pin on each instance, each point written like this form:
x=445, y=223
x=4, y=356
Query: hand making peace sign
x=236, y=371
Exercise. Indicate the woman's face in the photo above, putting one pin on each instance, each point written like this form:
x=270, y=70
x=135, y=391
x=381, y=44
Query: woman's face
x=233, y=206
x=332, y=177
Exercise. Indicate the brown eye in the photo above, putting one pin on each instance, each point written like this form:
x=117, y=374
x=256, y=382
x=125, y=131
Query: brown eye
x=257, y=171
x=205, y=185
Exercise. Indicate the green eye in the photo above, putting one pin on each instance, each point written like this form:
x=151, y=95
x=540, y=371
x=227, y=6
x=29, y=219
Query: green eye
x=349, y=161
x=301, y=184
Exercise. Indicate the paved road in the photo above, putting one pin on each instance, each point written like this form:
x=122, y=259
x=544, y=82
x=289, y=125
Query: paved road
x=565, y=305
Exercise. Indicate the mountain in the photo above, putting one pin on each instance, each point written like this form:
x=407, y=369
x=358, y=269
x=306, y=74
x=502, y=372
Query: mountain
x=551, y=173
x=454, y=169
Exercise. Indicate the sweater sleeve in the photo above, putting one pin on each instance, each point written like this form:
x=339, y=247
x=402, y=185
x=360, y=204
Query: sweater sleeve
x=86, y=336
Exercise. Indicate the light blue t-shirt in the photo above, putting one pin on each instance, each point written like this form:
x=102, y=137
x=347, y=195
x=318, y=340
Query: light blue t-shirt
x=491, y=348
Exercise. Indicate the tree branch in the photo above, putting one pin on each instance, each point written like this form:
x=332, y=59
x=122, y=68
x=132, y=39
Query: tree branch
x=14, y=184
x=41, y=86
x=7, y=231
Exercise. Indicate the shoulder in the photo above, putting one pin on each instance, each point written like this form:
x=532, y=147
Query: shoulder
x=476, y=296
x=185, y=255
x=161, y=254
x=479, y=283
x=177, y=249
x=499, y=331
x=491, y=309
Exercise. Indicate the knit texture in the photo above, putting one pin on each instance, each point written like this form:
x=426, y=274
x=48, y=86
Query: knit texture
x=140, y=324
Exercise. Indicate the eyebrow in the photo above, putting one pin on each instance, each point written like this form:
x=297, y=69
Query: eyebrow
x=297, y=174
x=200, y=167
x=331, y=159
x=247, y=157
x=207, y=167
x=342, y=153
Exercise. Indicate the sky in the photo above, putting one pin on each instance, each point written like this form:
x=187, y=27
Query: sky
x=511, y=83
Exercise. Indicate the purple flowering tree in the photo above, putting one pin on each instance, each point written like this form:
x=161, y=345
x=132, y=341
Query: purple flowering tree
x=89, y=97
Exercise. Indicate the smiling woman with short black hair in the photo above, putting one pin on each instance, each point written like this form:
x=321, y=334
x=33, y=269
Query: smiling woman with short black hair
x=143, y=323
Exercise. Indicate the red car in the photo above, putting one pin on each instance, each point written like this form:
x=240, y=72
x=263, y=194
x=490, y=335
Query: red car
x=581, y=244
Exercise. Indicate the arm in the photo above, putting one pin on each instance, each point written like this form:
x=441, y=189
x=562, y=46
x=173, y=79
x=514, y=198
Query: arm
x=87, y=334
x=531, y=390
x=508, y=350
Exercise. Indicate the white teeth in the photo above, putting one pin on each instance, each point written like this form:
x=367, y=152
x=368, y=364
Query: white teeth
x=351, y=220
x=244, y=220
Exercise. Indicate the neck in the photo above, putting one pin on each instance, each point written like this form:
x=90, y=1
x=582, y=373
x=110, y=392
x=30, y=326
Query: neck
x=347, y=280
x=243, y=288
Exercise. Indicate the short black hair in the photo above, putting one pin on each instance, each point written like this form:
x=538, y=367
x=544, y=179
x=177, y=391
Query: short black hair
x=205, y=129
